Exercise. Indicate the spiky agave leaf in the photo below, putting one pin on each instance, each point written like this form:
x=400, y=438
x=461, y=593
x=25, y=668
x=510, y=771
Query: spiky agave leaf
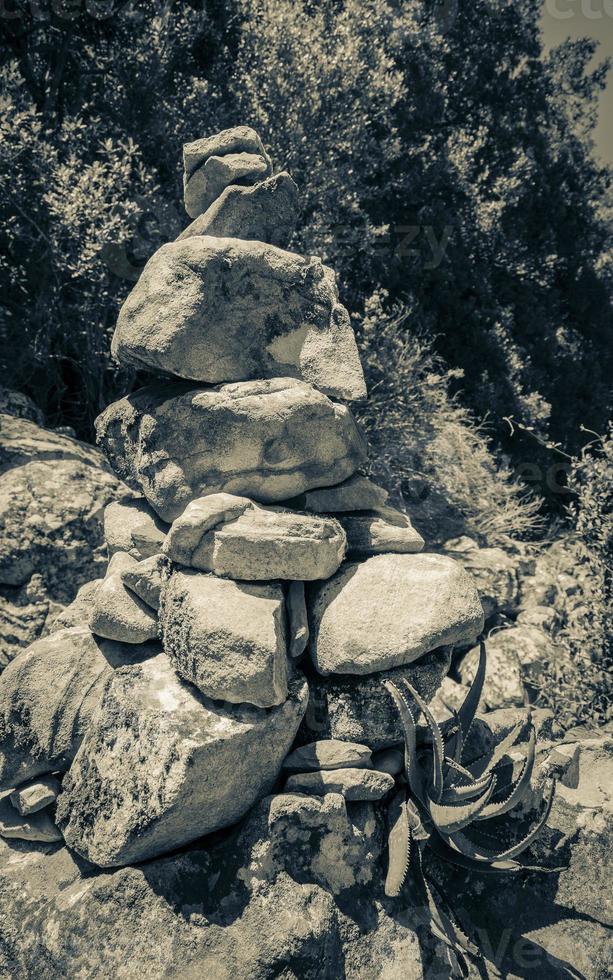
x=442, y=849
x=518, y=789
x=438, y=748
x=454, y=772
x=467, y=791
x=413, y=773
x=441, y=924
x=461, y=843
x=489, y=760
x=449, y=818
x=468, y=710
x=398, y=844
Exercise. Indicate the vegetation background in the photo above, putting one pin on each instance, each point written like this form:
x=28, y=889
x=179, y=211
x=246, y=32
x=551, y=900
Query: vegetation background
x=448, y=174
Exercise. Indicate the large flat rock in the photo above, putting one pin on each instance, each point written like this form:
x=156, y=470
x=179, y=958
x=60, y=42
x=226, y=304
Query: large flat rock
x=236, y=538
x=228, y=638
x=48, y=695
x=268, y=440
x=161, y=765
x=389, y=611
x=222, y=309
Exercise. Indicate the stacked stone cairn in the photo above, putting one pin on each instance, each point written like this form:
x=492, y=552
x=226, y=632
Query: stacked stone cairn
x=259, y=588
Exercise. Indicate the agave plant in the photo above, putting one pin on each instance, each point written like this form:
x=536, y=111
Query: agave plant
x=445, y=802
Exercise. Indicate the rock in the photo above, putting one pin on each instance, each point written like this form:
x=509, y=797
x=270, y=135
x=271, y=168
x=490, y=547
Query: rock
x=222, y=309
x=562, y=763
x=543, y=617
x=25, y=442
x=297, y=619
x=236, y=538
x=31, y=797
x=52, y=491
x=132, y=527
x=118, y=613
x=374, y=533
x=389, y=611
x=217, y=173
x=266, y=212
x=515, y=657
x=354, y=784
x=267, y=902
x=145, y=580
x=489, y=729
x=187, y=766
x=503, y=682
x=494, y=572
x=235, y=156
x=267, y=440
x=47, y=697
x=25, y=612
x=390, y=761
x=359, y=709
x=78, y=612
x=329, y=753
x=228, y=638
x=35, y=827
x=20, y=406
x=317, y=837
x=356, y=493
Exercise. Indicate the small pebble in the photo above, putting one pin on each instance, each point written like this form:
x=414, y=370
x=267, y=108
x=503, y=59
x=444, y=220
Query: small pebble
x=35, y=796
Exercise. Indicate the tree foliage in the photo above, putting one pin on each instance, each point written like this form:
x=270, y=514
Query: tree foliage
x=441, y=159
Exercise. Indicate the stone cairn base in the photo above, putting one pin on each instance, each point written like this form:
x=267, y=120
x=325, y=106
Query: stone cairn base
x=259, y=588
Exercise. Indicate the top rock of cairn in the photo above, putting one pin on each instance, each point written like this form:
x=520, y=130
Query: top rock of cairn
x=233, y=550
x=210, y=308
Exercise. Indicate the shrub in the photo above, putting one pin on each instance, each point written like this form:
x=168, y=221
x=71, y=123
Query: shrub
x=426, y=447
x=579, y=687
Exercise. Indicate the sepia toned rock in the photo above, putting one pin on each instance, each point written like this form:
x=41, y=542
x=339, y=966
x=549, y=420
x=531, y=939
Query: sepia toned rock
x=47, y=697
x=357, y=708
x=222, y=309
x=187, y=765
x=79, y=610
x=145, y=579
x=329, y=753
x=356, y=493
x=494, y=571
x=234, y=156
x=266, y=212
x=267, y=440
x=227, y=638
x=31, y=797
x=354, y=785
x=38, y=827
x=237, y=538
x=131, y=526
x=117, y=613
x=380, y=532
x=297, y=618
x=389, y=611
